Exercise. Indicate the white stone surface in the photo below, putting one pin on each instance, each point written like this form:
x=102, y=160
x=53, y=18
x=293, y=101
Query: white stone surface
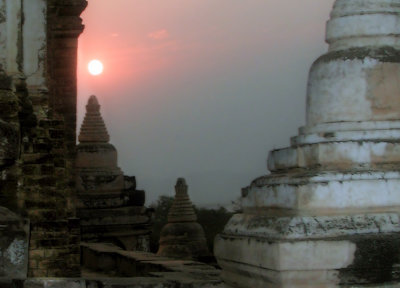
x=342, y=136
x=257, y=277
x=366, y=30
x=358, y=23
x=354, y=155
x=15, y=253
x=14, y=13
x=350, y=126
x=287, y=256
x=34, y=39
x=3, y=34
x=326, y=193
x=353, y=90
x=310, y=227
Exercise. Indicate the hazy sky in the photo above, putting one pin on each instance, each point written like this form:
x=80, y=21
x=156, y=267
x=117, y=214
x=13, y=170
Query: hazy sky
x=200, y=89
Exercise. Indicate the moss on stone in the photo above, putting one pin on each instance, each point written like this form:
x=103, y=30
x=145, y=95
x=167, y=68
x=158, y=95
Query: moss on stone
x=382, y=54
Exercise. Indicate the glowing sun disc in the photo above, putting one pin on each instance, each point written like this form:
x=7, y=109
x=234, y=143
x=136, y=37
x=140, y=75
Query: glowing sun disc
x=95, y=67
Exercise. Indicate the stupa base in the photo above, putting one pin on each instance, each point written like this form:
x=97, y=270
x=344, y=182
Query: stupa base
x=368, y=255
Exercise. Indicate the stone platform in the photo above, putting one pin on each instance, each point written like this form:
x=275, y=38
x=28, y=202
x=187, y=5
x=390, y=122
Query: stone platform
x=108, y=266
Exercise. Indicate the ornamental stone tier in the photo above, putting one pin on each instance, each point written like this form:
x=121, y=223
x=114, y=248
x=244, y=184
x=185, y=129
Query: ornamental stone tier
x=328, y=214
x=182, y=237
x=110, y=207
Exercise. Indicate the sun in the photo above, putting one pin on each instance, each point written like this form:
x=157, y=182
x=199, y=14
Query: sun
x=95, y=67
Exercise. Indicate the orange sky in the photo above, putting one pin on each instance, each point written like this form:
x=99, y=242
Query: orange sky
x=200, y=89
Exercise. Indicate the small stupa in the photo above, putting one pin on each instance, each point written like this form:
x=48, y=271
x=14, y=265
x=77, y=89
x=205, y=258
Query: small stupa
x=110, y=207
x=182, y=237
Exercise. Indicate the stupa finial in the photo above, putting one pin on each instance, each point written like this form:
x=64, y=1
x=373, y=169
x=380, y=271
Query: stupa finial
x=93, y=128
x=182, y=208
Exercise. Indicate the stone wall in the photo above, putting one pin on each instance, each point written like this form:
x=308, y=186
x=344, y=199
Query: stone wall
x=38, y=112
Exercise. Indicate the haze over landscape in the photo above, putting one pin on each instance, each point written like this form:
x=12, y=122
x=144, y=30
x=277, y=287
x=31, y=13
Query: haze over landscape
x=200, y=89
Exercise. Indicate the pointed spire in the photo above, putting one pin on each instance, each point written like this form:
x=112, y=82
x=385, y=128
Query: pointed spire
x=182, y=208
x=93, y=128
x=182, y=237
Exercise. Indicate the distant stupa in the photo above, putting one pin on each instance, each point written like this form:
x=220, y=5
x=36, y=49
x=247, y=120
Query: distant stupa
x=93, y=128
x=109, y=206
x=182, y=237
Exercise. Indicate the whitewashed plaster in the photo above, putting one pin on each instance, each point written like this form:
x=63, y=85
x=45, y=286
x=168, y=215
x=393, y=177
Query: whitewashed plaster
x=13, y=8
x=359, y=23
x=356, y=155
x=34, y=42
x=327, y=197
x=350, y=126
x=356, y=31
x=3, y=34
x=15, y=253
x=310, y=227
x=259, y=277
x=344, y=136
x=353, y=90
x=297, y=255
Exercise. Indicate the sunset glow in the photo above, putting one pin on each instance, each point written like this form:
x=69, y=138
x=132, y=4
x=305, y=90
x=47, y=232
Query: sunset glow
x=95, y=67
x=187, y=88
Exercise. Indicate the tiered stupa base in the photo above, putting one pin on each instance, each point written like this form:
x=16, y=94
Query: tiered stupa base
x=306, y=227
x=328, y=214
x=109, y=206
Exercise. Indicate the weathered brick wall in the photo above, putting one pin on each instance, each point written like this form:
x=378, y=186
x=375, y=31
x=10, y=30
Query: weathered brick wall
x=37, y=178
x=54, y=247
x=9, y=148
x=54, y=244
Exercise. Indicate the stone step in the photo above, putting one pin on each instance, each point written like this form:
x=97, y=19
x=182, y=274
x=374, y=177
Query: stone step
x=168, y=272
x=324, y=192
x=388, y=135
x=337, y=156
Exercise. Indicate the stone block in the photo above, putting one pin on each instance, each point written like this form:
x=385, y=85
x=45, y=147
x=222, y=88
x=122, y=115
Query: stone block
x=54, y=283
x=351, y=260
x=14, y=235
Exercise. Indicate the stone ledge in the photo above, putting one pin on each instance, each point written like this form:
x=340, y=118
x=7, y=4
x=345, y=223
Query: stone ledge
x=337, y=156
x=335, y=262
x=148, y=267
x=311, y=227
x=328, y=192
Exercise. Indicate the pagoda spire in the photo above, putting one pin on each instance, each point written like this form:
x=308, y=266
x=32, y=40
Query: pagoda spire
x=182, y=237
x=182, y=208
x=93, y=128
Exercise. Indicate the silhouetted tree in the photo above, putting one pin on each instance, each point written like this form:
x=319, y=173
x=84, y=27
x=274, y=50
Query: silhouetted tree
x=213, y=222
x=161, y=209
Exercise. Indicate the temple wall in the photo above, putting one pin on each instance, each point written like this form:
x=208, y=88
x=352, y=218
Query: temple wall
x=38, y=114
x=34, y=42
